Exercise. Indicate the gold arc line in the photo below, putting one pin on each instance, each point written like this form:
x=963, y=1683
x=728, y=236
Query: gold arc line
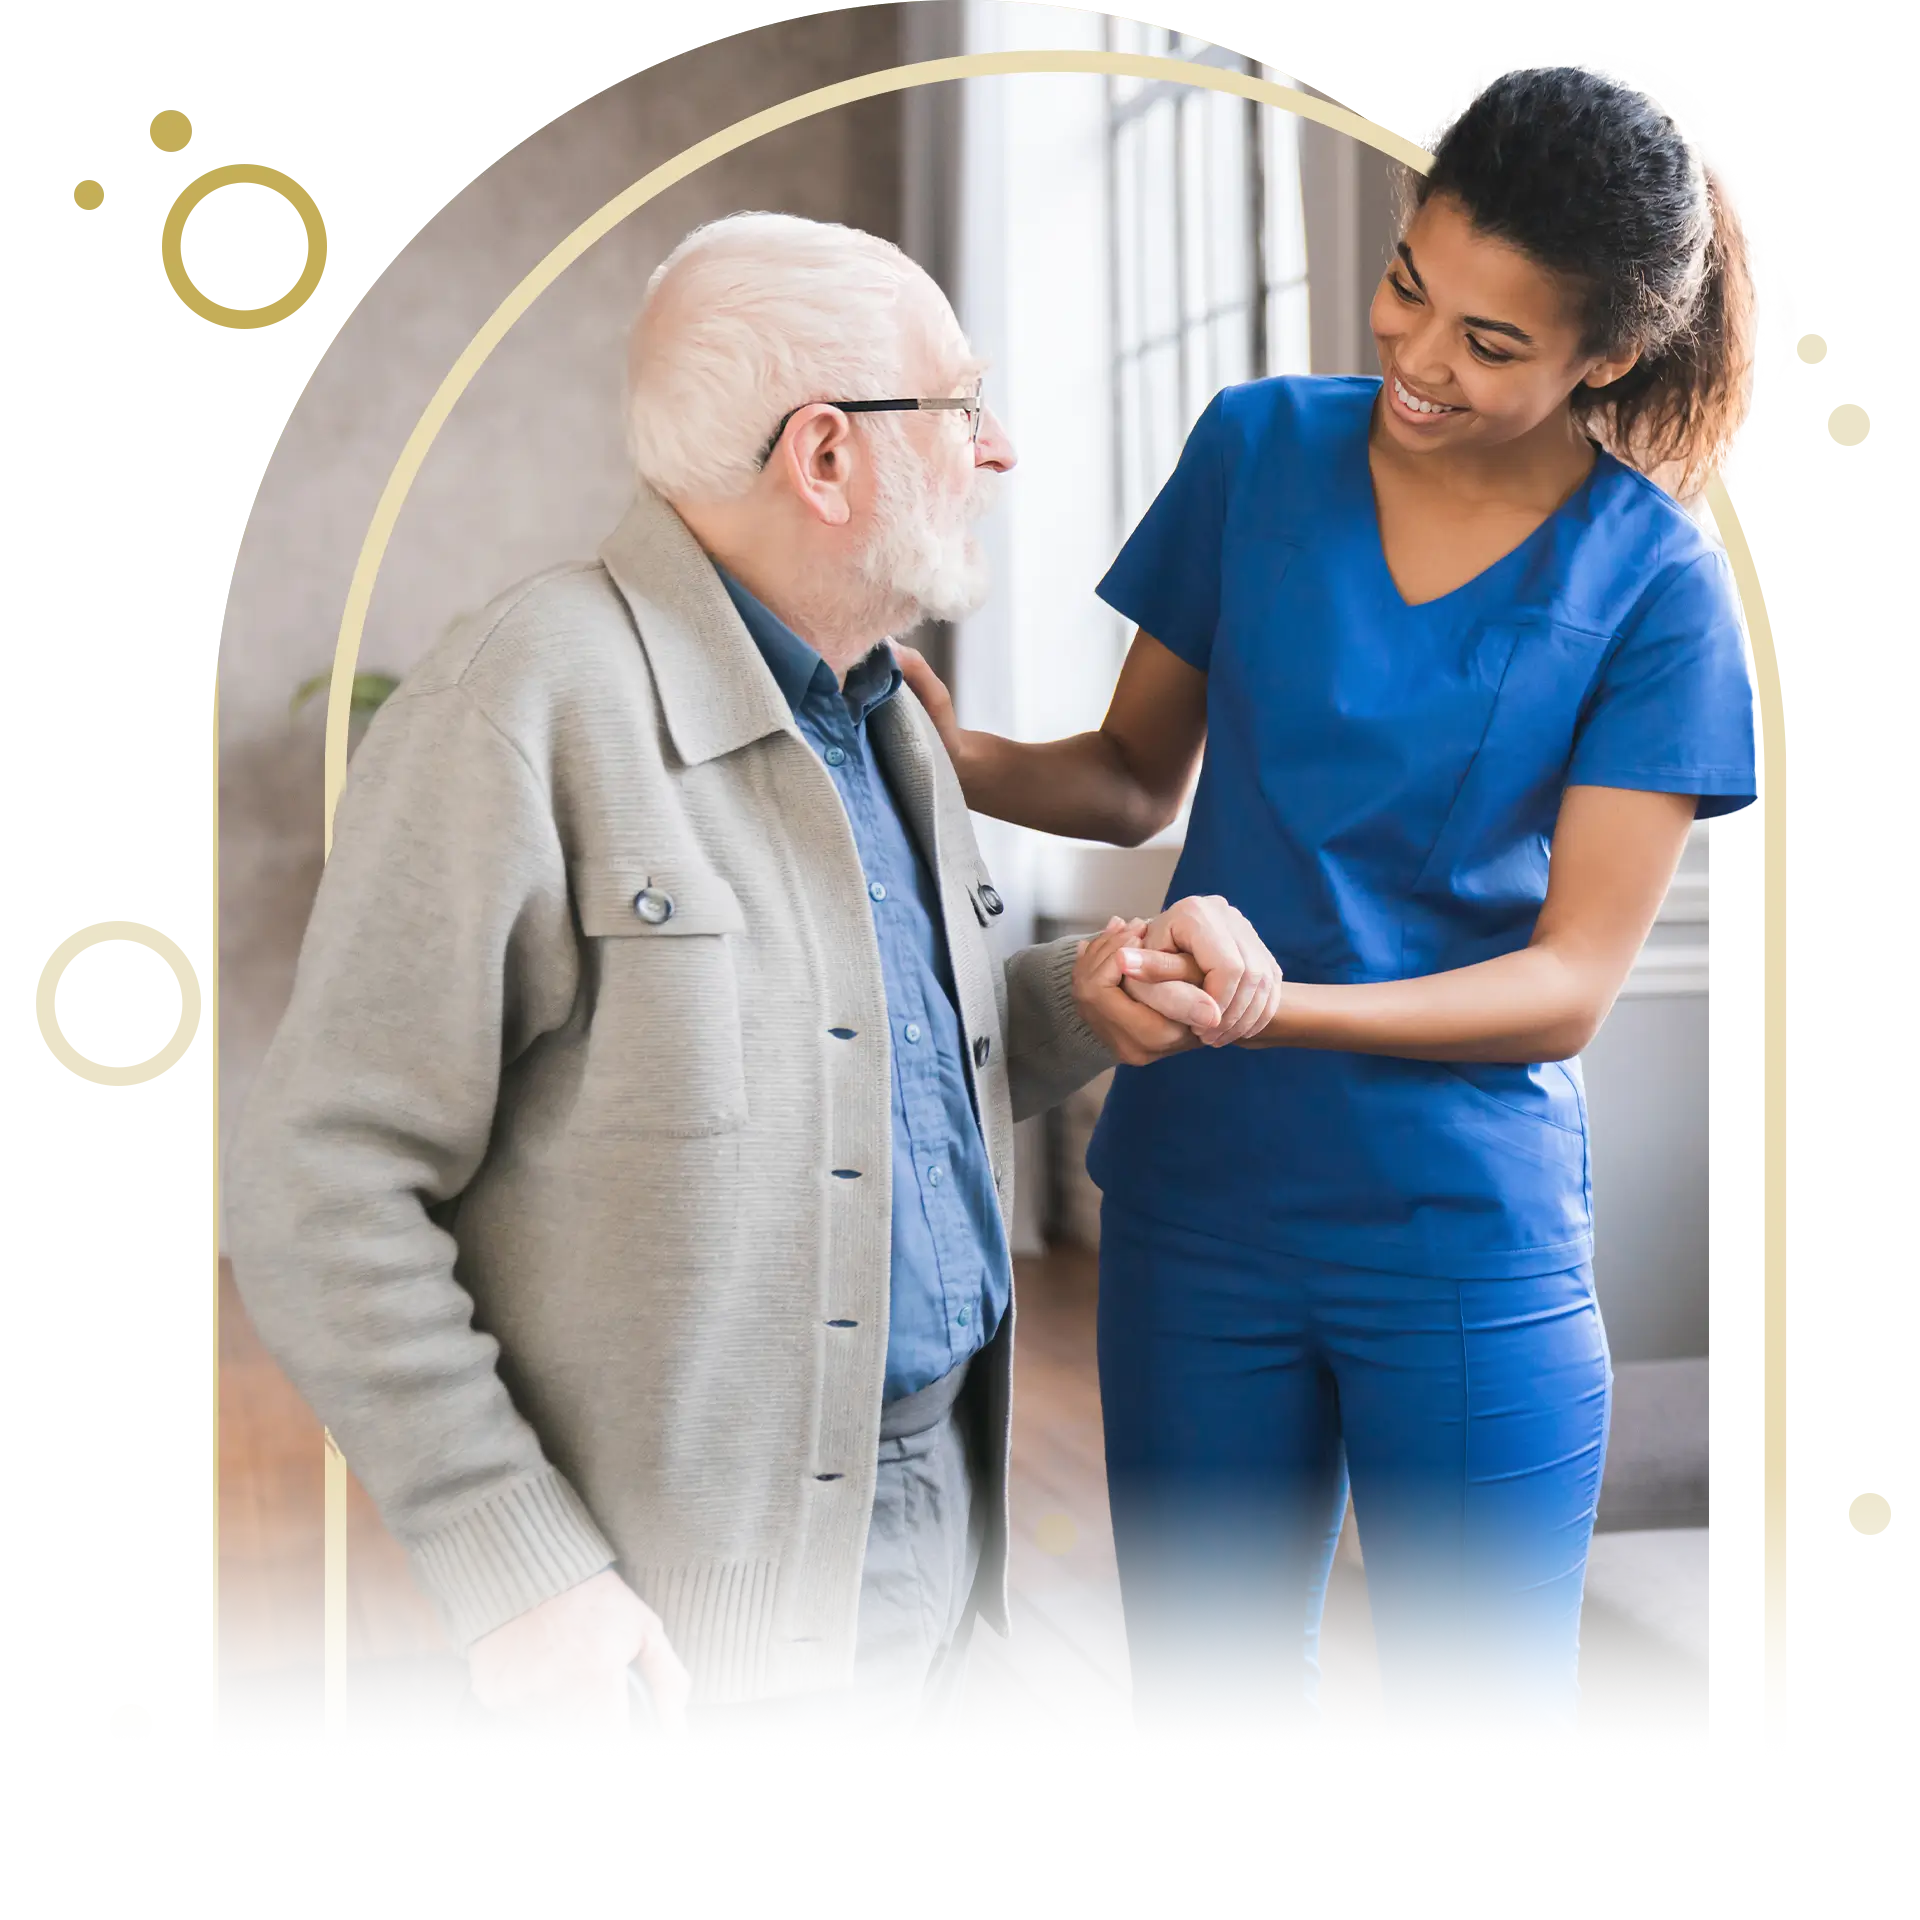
x=1776, y=1116
x=788, y=114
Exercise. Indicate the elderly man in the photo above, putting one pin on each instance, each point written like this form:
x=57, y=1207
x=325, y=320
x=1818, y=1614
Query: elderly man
x=626, y=1185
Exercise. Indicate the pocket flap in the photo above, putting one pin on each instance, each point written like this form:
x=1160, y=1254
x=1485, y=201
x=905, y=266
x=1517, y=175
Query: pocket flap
x=659, y=903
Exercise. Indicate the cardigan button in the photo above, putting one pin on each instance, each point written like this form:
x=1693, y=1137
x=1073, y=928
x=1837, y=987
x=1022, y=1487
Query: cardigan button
x=982, y=1046
x=653, y=906
x=990, y=899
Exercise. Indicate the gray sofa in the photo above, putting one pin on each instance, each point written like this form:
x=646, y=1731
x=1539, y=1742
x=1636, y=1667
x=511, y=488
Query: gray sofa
x=1669, y=1631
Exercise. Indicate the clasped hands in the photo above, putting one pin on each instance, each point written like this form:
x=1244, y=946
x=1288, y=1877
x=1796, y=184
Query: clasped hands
x=1195, y=975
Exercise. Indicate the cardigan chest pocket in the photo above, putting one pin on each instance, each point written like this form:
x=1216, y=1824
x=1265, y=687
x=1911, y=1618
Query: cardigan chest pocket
x=664, y=1052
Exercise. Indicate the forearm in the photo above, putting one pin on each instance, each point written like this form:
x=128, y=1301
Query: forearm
x=1536, y=1004
x=1081, y=788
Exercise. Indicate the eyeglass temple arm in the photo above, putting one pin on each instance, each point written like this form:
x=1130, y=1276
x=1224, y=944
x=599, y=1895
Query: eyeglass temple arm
x=970, y=404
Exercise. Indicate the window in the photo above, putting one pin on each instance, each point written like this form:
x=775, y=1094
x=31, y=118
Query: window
x=1208, y=249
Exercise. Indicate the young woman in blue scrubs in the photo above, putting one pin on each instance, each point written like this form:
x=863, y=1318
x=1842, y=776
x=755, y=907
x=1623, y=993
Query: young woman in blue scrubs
x=1430, y=627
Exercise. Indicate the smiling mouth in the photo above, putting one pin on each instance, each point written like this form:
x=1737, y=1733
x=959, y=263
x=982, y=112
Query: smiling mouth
x=1412, y=402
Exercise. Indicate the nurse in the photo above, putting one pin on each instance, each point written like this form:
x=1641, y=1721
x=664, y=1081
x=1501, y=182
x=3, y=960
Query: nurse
x=1466, y=673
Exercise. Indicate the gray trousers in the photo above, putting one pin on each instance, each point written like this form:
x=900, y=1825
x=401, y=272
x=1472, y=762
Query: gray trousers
x=916, y=1613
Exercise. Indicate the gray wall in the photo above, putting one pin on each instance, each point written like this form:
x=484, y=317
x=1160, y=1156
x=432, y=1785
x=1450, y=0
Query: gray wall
x=931, y=158
x=529, y=470
x=1350, y=195
x=1646, y=1079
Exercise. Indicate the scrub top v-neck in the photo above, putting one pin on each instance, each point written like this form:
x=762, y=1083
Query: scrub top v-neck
x=1378, y=796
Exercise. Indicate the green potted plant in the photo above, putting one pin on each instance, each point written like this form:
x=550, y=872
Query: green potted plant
x=370, y=691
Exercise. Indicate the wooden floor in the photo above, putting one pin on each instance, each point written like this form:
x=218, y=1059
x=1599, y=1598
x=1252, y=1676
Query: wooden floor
x=1056, y=1690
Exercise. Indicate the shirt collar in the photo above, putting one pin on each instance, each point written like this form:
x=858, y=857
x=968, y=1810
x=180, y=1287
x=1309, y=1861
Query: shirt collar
x=797, y=669
x=872, y=682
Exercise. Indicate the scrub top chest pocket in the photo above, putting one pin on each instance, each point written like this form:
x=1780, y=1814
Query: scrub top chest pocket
x=663, y=1041
x=1357, y=735
x=1484, y=879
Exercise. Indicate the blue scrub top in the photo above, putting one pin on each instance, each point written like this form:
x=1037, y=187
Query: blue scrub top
x=1378, y=796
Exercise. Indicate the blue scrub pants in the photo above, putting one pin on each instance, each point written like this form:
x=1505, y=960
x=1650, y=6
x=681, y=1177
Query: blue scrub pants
x=1241, y=1388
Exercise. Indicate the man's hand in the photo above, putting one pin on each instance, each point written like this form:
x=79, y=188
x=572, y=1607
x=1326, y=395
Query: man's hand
x=565, y=1661
x=1240, y=976
x=1111, y=996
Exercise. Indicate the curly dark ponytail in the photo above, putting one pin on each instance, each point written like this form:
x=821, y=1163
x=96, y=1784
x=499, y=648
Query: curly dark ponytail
x=1595, y=183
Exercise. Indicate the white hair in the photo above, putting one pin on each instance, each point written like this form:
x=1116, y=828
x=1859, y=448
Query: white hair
x=748, y=318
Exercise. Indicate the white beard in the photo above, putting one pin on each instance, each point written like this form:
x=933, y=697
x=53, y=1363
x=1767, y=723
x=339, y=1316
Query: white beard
x=922, y=556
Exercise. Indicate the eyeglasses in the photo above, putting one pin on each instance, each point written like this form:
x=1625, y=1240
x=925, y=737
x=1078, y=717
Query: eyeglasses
x=970, y=404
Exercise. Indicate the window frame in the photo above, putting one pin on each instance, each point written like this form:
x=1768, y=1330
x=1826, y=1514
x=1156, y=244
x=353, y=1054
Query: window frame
x=1129, y=254
x=1140, y=466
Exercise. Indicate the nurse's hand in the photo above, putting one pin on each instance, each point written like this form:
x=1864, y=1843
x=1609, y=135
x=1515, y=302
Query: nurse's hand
x=931, y=691
x=1241, y=977
x=1134, y=1031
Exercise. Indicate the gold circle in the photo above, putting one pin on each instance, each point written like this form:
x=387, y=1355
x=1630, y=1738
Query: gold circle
x=296, y=197
x=1870, y=1513
x=1848, y=424
x=118, y=1003
x=1812, y=348
x=171, y=131
x=88, y=194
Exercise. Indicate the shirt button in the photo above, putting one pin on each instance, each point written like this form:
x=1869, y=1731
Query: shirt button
x=877, y=888
x=836, y=756
x=964, y=1315
x=935, y=1176
x=653, y=906
x=913, y=1031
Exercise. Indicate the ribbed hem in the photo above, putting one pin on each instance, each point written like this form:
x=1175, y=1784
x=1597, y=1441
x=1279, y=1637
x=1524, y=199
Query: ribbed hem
x=502, y=1558
x=719, y=1618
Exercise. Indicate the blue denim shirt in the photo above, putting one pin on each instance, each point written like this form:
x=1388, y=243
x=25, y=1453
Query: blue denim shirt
x=949, y=1268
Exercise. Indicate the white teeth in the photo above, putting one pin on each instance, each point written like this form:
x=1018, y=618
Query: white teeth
x=1414, y=405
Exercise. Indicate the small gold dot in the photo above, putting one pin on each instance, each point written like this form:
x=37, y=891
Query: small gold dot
x=88, y=194
x=1056, y=1533
x=1848, y=425
x=1812, y=349
x=1870, y=1513
x=171, y=131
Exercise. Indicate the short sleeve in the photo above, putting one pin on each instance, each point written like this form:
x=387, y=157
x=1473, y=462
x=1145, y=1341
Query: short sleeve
x=1167, y=578
x=1673, y=710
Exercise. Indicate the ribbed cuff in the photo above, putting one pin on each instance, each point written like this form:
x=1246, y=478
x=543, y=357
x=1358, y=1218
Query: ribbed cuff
x=1075, y=1043
x=1050, y=1048
x=500, y=1559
